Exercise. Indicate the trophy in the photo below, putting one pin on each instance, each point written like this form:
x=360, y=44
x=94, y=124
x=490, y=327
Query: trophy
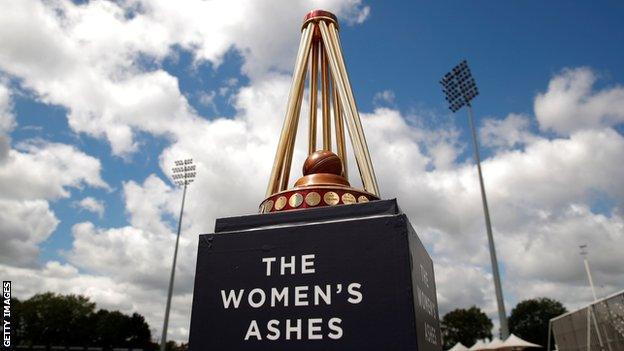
x=324, y=265
x=325, y=179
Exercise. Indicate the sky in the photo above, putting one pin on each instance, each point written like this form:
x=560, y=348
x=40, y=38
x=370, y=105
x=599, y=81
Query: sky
x=98, y=98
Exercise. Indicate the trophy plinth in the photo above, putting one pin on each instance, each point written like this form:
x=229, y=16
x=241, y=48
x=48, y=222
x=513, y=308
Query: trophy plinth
x=335, y=278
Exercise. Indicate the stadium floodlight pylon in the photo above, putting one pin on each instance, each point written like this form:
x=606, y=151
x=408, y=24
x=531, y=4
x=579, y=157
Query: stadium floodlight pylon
x=321, y=55
x=459, y=88
x=183, y=175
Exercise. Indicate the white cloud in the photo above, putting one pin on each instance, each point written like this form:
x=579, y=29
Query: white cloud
x=23, y=226
x=139, y=252
x=361, y=15
x=125, y=254
x=147, y=201
x=7, y=120
x=570, y=103
x=207, y=98
x=506, y=133
x=66, y=279
x=39, y=169
x=477, y=288
x=229, y=85
x=540, y=249
x=550, y=174
x=542, y=235
x=385, y=97
x=92, y=205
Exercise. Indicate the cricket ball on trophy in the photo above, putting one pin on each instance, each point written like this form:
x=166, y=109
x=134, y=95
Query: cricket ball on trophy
x=322, y=161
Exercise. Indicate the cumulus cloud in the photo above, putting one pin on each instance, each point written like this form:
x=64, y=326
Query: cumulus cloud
x=510, y=132
x=385, y=97
x=40, y=169
x=551, y=174
x=450, y=275
x=146, y=245
x=66, y=279
x=571, y=103
x=110, y=252
x=92, y=205
x=207, y=99
x=7, y=120
x=24, y=225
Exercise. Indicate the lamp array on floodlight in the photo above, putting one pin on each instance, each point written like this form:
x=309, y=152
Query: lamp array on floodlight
x=184, y=172
x=459, y=86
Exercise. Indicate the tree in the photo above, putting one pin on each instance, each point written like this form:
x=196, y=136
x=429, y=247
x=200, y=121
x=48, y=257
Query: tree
x=529, y=319
x=115, y=329
x=52, y=319
x=16, y=326
x=173, y=346
x=71, y=320
x=465, y=326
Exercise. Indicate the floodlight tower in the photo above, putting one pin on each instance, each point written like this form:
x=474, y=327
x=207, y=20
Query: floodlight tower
x=589, y=277
x=460, y=88
x=183, y=175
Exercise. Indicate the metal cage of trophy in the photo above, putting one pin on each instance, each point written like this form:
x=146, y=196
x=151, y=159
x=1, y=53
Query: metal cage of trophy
x=325, y=180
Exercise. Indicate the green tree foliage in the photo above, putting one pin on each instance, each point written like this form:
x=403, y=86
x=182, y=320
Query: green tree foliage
x=173, y=346
x=465, y=326
x=529, y=319
x=55, y=319
x=72, y=320
x=115, y=329
x=15, y=324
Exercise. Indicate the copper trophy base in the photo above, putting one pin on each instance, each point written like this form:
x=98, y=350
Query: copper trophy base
x=322, y=184
x=314, y=196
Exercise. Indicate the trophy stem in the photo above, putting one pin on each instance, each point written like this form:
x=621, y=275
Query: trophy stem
x=313, y=94
x=291, y=143
x=340, y=134
x=325, y=100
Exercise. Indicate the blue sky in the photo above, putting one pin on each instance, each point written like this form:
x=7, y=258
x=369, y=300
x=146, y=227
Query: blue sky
x=513, y=49
x=228, y=71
